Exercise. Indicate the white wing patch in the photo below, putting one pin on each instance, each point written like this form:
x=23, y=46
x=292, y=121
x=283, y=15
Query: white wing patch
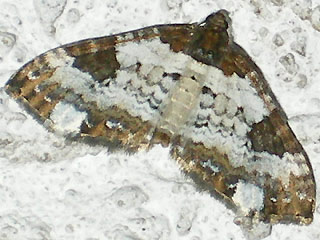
x=248, y=197
x=66, y=118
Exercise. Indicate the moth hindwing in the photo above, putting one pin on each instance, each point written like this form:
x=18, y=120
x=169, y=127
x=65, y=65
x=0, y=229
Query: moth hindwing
x=184, y=86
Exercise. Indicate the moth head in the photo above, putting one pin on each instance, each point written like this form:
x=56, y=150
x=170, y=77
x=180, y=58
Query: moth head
x=218, y=21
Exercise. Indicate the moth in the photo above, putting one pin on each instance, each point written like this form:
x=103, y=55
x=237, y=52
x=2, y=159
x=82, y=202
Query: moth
x=188, y=87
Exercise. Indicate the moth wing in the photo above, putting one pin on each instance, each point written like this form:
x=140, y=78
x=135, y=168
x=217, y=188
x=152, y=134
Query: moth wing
x=239, y=146
x=105, y=90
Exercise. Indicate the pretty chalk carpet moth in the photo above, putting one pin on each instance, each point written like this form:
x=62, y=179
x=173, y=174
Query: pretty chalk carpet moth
x=188, y=87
